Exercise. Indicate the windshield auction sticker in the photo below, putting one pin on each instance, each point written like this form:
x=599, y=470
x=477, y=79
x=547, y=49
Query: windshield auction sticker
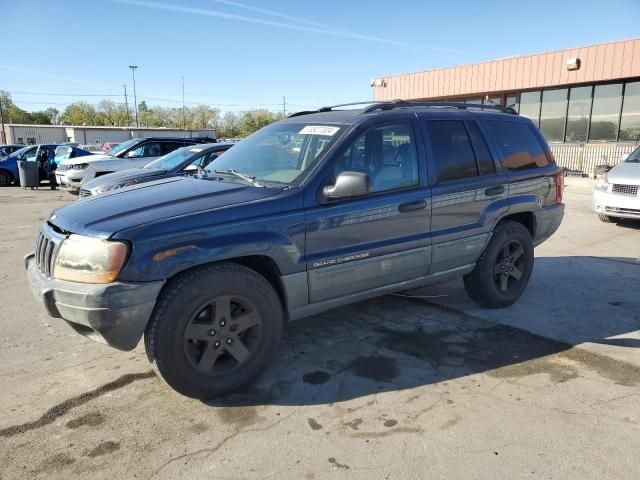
x=319, y=130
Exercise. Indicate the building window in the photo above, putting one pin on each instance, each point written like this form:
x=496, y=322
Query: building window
x=553, y=114
x=630, y=122
x=492, y=100
x=513, y=101
x=605, y=112
x=530, y=106
x=578, y=116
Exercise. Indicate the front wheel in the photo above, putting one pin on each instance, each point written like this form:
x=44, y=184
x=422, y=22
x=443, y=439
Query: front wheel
x=607, y=218
x=6, y=178
x=214, y=330
x=502, y=272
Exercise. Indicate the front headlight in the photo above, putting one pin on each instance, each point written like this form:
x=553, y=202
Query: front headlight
x=602, y=183
x=89, y=260
x=115, y=186
x=78, y=166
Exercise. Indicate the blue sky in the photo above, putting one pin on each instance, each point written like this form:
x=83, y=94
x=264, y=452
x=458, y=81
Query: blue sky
x=240, y=54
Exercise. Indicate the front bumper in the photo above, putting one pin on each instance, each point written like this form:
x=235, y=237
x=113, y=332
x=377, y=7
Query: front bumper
x=116, y=313
x=70, y=179
x=547, y=222
x=615, y=205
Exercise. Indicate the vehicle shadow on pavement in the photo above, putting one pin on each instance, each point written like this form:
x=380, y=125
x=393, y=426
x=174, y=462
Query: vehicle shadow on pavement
x=627, y=223
x=398, y=342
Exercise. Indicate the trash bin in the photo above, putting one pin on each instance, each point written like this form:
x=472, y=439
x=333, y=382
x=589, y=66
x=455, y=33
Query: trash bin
x=28, y=173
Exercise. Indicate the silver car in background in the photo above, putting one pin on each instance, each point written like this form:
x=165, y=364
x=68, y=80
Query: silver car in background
x=617, y=193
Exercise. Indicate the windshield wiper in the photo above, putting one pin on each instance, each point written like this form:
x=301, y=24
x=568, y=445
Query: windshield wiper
x=247, y=178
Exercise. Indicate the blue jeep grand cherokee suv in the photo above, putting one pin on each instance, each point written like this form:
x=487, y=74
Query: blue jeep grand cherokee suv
x=316, y=211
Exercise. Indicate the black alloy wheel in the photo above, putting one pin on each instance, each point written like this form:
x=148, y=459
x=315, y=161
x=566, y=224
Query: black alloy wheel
x=509, y=266
x=222, y=334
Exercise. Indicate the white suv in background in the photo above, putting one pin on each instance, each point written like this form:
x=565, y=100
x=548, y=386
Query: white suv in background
x=134, y=153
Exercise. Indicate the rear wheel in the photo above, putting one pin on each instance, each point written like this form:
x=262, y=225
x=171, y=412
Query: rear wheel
x=6, y=178
x=214, y=330
x=502, y=272
x=607, y=218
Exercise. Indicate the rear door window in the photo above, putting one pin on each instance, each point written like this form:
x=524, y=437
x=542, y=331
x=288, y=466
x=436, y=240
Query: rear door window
x=483, y=157
x=451, y=146
x=518, y=144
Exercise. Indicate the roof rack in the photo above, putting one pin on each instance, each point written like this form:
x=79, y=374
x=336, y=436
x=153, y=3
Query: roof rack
x=461, y=106
x=329, y=108
x=391, y=104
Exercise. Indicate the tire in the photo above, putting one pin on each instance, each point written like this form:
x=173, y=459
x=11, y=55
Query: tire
x=607, y=218
x=6, y=179
x=195, y=348
x=503, y=270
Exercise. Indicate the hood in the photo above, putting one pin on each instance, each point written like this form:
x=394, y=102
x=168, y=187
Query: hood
x=87, y=159
x=107, y=214
x=626, y=173
x=122, y=176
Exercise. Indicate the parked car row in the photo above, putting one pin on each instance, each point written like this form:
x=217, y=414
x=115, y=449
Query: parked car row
x=189, y=160
x=134, y=153
x=50, y=156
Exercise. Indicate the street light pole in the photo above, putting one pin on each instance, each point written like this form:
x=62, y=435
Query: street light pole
x=3, y=137
x=135, y=98
x=184, y=119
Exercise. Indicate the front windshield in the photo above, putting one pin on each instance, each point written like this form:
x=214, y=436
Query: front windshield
x=634, y=157
x=282, y=153
x=173, y=159
x=118, y=149
x=19, y=153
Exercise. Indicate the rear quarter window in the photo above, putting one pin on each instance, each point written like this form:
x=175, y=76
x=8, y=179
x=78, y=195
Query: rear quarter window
x=519, y=145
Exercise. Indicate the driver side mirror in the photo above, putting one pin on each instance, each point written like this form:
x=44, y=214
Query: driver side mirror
x=348, y=185
x=132, y=154
x=624, y=157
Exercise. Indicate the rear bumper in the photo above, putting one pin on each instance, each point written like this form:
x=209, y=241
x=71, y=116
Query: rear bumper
x=547, y=222
x=115, y=313
x=614, y=205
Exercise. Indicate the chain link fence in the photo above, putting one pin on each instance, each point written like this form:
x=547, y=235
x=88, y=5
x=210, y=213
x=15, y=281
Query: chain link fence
x=582, y=159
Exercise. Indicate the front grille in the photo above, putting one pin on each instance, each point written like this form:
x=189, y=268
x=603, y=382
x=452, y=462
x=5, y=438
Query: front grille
x=45, y=249
x=62, y=168
x=628, y=190
x=85, y=193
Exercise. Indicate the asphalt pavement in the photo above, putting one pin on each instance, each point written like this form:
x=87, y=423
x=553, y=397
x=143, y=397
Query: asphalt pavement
x=420, y=384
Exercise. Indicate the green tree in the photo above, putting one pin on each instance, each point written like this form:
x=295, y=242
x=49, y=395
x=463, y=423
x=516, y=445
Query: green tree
x=254, y=120
x=112, y=113
x=13, y=114
x=80, y=113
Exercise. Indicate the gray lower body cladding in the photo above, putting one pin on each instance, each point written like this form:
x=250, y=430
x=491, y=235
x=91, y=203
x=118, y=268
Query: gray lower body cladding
x=115, y=313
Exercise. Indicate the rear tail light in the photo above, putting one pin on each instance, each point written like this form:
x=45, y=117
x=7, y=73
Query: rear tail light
x=559, y=181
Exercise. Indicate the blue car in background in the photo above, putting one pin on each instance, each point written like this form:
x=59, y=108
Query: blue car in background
x=49, y=156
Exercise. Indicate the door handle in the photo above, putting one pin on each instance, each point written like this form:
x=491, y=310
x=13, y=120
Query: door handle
x=493, y=191
x=407, y=207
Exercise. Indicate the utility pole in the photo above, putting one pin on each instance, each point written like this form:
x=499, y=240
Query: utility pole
x=184, y=119
x=3, y=137
x=284, y=107
x=126, y=104
x=135, y=98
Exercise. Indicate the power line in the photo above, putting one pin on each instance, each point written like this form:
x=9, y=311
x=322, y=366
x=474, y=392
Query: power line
x=64, y=94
